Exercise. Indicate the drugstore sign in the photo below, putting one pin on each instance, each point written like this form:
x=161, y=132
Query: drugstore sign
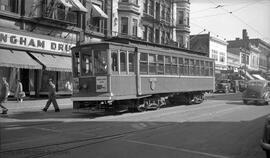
x=36, y=43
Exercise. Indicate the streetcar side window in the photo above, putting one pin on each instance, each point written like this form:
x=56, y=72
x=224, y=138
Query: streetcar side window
x=191, y=67
x=152, y=64
x=143, y=63
x=197, y=68
x=114, y=58
x=186, y=65
x=76, y=64
x=206, y=68
x=181, y=66
x=168, y=65
x=87, y=68
x=123, y=66
x=202, y=68
x=211, y=69
x=100, y=62
x=174, y=66
x=160, y=64
x=131, y=61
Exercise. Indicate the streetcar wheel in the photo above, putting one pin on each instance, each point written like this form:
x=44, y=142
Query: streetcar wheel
x=141, y=107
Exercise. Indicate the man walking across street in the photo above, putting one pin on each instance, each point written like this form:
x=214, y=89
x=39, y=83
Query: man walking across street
x=52, y=98
x=4, y=95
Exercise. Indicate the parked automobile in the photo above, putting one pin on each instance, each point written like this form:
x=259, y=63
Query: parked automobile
x=223, y=86
x=265, y=142
x=257, y=91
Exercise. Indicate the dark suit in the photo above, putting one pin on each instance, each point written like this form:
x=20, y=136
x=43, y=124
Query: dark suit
x=52, y=97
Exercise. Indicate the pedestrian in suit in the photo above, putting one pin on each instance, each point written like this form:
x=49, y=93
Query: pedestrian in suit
x=4, y=95
x=52, y=98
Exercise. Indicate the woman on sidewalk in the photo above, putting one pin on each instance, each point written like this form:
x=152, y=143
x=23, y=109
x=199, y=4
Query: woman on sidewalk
x=19, y=94
x=4, y=95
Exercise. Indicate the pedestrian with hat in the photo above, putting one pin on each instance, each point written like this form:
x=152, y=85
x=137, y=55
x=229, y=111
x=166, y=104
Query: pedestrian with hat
x=52, y=97
x=4, y=95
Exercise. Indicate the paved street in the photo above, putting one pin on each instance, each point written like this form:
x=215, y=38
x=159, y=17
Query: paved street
x=221, y=127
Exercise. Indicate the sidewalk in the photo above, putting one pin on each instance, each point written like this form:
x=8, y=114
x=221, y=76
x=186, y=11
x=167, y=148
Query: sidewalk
x=34, y=104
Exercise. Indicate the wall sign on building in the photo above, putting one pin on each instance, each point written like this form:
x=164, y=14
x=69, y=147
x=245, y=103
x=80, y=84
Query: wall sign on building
x=36, y=43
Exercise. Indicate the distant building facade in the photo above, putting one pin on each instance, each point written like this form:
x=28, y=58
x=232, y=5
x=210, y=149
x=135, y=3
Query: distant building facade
x=254, y=56
x=213, y=47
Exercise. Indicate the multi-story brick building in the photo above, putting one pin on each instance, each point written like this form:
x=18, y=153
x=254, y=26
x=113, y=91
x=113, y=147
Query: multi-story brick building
x=36, y=37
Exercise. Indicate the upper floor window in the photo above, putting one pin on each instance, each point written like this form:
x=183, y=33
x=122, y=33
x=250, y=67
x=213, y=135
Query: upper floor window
x=9, y=5
x=222, y=57
x=124, y=25
x=181, y=17
x=145, y=31
x=145, y=6
x=214, y=54
x=134, y=27
x=130, y=1
x=151, y=7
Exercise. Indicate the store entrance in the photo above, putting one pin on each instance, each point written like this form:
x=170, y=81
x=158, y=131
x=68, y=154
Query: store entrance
x=24, y=76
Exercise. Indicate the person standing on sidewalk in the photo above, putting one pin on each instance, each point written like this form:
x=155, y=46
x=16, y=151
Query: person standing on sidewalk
x=19, y=94
x=4, y=95
x=52, y=98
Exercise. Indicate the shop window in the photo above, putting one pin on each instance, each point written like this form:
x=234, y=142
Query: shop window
x=152, y=64
x=181, y=66
x=186, y=67
x=160, y=64
x=135, y=27
x=64, y=81
x=87, y=68
x=9, y=5
x=168, y=69
x=124, y=25
x=100, y=62
x=114, y=57
x=174, y=66
x=131, y=61
x=143, y=63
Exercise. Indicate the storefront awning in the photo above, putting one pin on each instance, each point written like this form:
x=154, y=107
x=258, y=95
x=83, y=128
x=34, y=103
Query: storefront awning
x=18, y=59
x=54, y=62
x=98, y=12
x=259, y=77
x=77, y=6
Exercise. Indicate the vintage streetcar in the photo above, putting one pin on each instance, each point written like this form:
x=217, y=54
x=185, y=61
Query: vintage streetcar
x=129, y=74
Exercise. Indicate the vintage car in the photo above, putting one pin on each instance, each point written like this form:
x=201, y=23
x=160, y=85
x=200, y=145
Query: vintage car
x=223, y=86
x=257, y=91
x=265, y=142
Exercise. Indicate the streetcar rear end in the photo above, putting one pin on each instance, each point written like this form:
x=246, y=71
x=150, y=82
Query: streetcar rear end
x=97, y=80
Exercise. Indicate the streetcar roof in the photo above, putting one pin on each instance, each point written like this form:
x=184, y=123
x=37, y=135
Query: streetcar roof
x=149, y=48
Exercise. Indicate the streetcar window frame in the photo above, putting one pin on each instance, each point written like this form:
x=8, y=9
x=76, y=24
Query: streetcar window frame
x=152, y=64
x=181, y=66
x=168, y=64
x=76, y=64
x=186, y=66
x=161, y=67
x=143, y=63
x=100, y=61
x=123, y=61
x=114, y=61
x=131, y=62
x=174, y=67
x=86, y=67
